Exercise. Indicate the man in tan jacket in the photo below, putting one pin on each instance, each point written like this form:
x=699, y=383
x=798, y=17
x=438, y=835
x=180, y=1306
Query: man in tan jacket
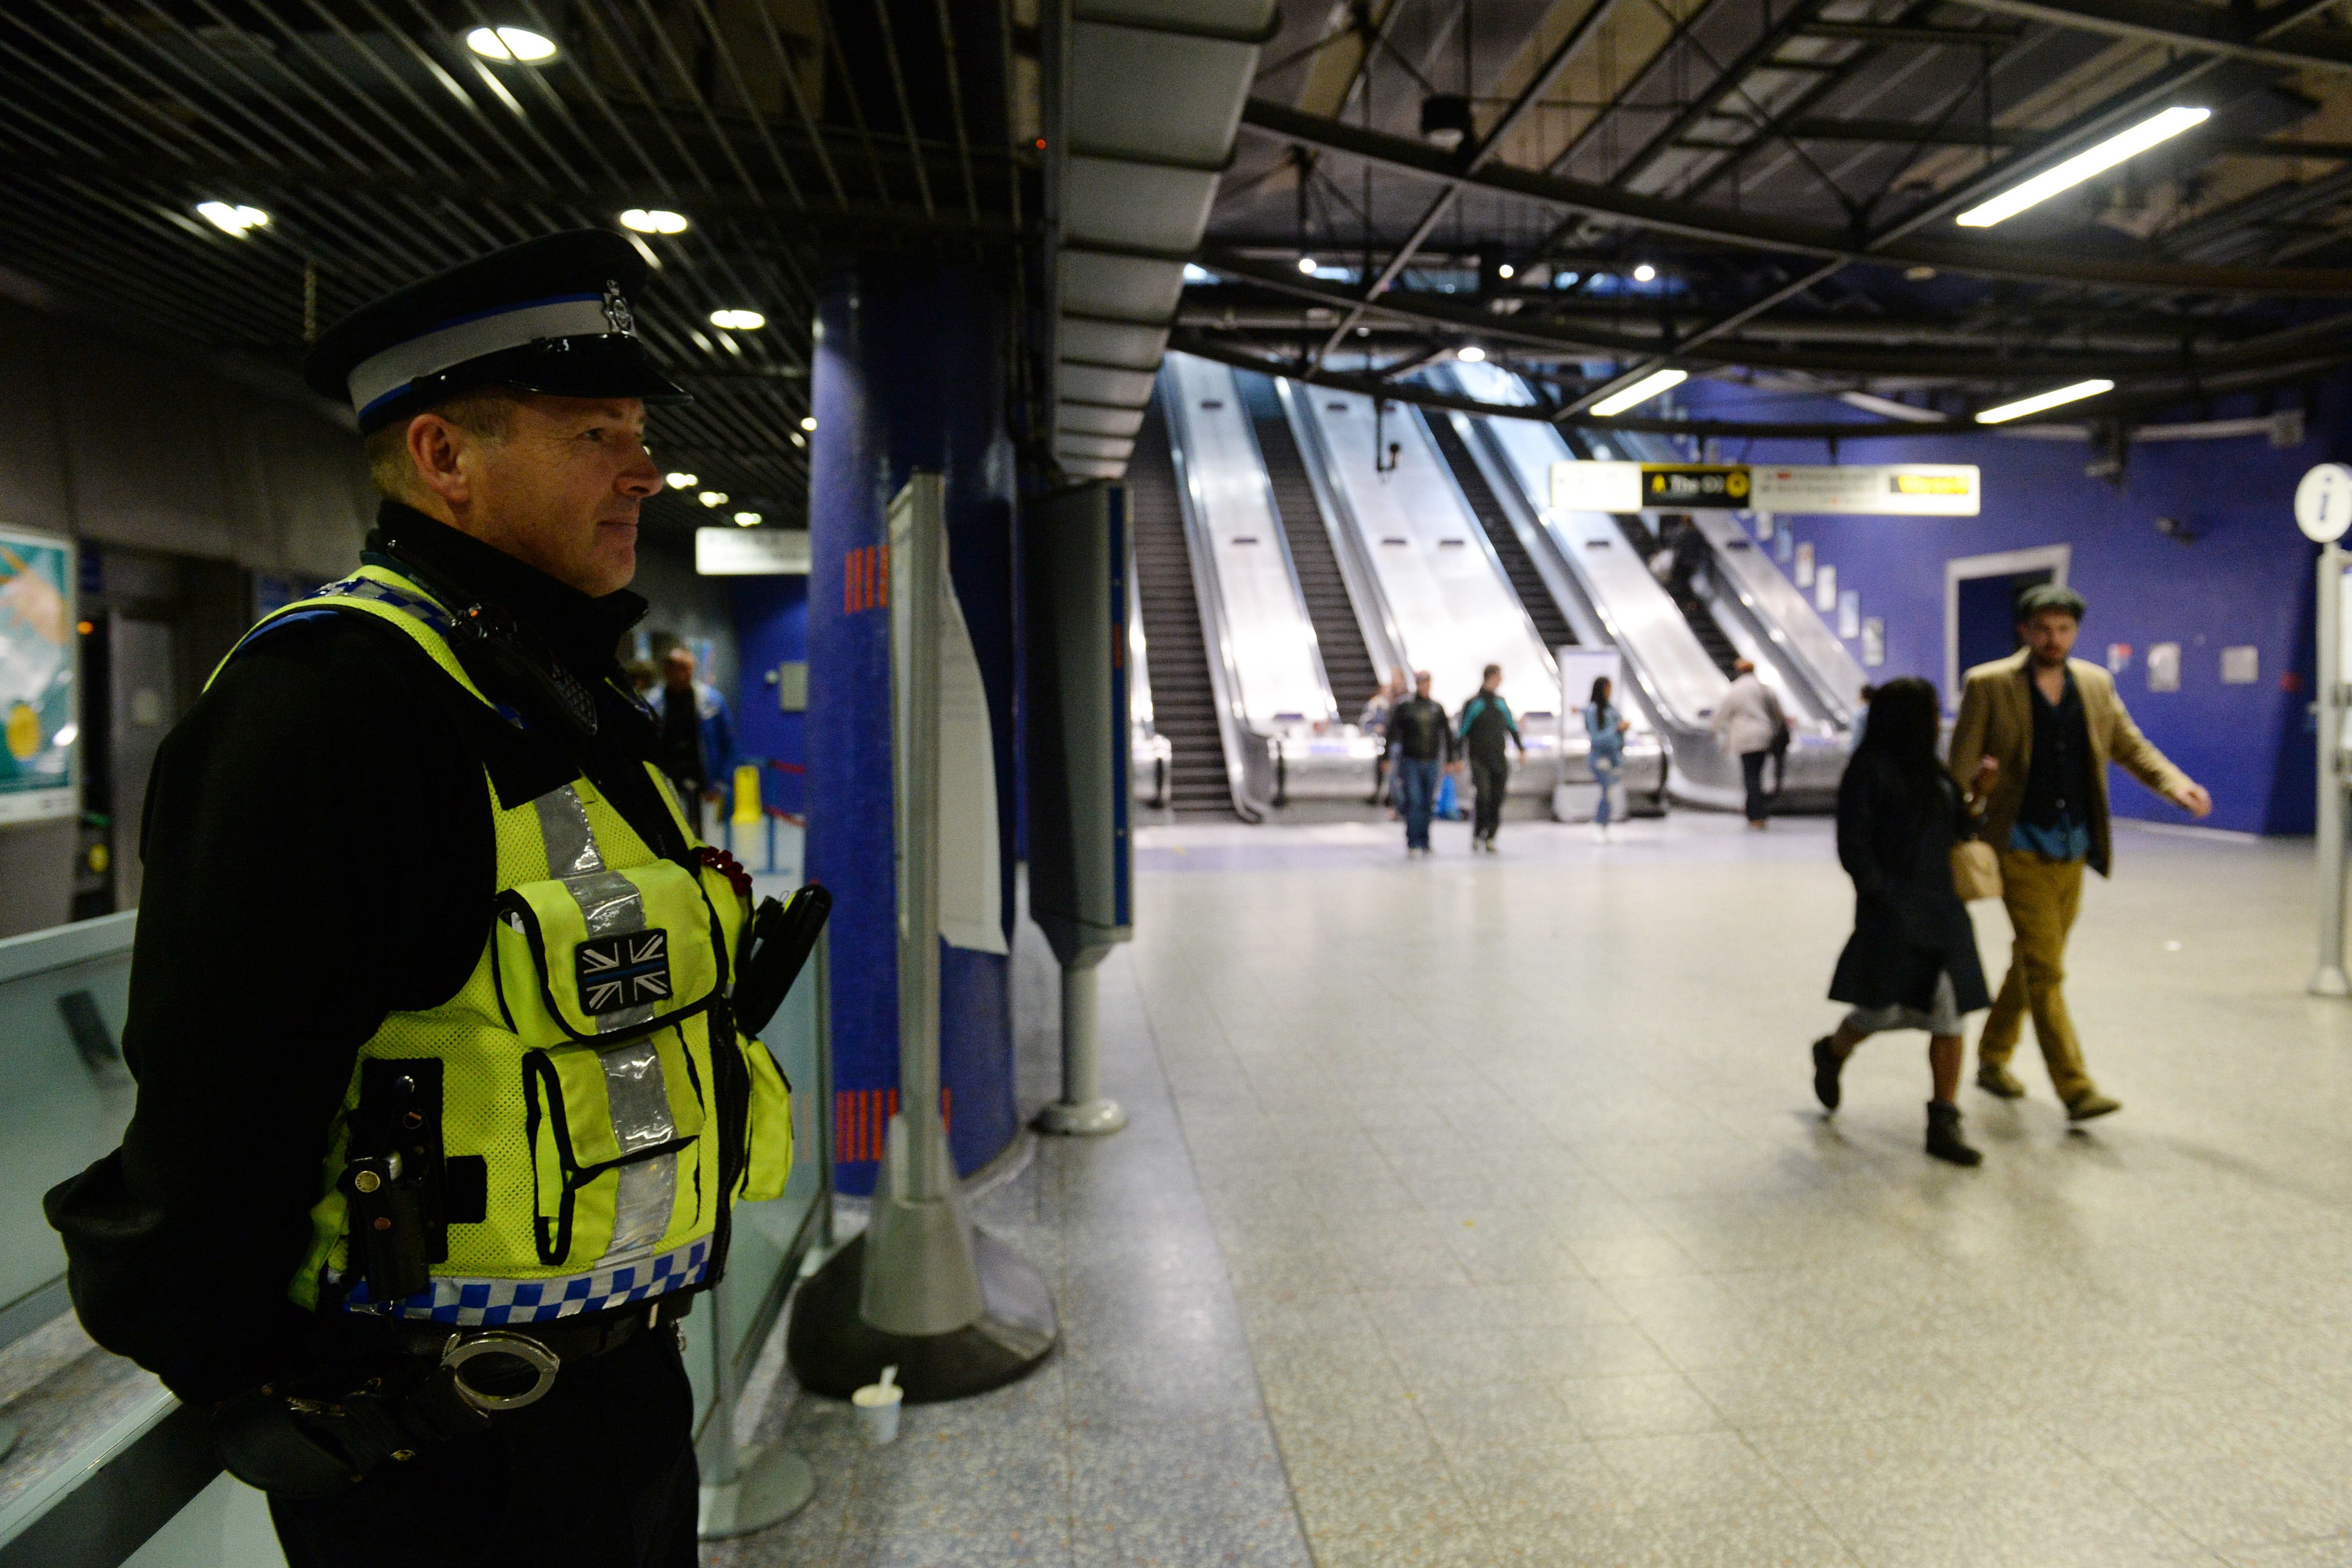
x=2050, y=725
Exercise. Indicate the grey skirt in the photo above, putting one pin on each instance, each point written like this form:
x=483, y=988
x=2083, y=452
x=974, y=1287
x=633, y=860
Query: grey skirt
x=1942, y=1016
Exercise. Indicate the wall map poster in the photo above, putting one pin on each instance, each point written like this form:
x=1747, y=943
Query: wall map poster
x=37, y=654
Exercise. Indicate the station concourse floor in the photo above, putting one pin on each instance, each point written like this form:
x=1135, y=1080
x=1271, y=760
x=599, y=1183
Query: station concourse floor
x=1478, y=1211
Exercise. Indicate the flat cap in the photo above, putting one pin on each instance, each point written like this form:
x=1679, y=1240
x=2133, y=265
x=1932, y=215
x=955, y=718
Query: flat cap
x=550, y=315
x=2036, y=597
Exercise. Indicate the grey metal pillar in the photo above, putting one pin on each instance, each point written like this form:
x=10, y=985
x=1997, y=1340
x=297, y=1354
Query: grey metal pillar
x=2328, y=979
x=1082, y=1110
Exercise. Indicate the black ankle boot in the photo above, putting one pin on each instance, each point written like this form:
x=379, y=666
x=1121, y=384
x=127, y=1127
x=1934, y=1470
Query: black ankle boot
x=1944, y=1140
x=1827, y=1065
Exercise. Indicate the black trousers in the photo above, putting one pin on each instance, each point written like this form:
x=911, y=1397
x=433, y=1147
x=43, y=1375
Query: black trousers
x=1751, y=774
x=599, y=1474
x=1492, y=778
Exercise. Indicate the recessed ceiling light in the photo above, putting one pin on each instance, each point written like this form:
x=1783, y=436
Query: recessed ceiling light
x=798, y=439
x=654, y=221
x=1644, y=272
x=1506, y=270
x=738, y=321
x=2082, y=166
x=1470, y=353
x=516, y=46
x=681, y=481
x=747, y=519
x=236, y=220
x=1305, y=263
x=1641, y=392
x=2040, y=400
x=808, y=421
x=712, y=497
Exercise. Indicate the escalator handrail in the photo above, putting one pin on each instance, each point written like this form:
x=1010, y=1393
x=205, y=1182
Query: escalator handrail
x=1486, y=546
x=1793, y=660
x=1289, y=561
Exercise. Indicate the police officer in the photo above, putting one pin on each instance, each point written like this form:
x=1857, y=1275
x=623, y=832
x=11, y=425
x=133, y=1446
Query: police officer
x=441, y=1106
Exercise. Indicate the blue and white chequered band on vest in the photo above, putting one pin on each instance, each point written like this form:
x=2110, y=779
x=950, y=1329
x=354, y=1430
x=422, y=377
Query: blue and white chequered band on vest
x=469, y=1303
x=410, y=601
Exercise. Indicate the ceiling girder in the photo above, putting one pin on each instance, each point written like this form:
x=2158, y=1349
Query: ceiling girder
x=2025, y=263
x=2271, y=37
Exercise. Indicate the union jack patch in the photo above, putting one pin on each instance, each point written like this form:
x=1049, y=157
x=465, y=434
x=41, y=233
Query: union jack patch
x=631, y=970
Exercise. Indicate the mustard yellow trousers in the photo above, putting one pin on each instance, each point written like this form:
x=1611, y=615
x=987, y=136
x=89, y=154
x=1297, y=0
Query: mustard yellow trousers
x=2043, y=897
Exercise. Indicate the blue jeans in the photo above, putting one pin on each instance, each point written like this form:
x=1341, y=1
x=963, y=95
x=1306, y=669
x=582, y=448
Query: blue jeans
x=1416, y=784
x=1605, y=770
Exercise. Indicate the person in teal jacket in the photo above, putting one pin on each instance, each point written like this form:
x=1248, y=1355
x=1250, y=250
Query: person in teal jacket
x=1487, y=723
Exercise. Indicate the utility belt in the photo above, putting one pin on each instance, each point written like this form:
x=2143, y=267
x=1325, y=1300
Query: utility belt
x=438, y=1383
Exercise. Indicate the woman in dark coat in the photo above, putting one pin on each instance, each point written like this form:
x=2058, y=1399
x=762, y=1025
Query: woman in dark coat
x=1911, y=962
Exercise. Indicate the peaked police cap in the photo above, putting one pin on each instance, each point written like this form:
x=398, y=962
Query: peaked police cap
x=550, y=315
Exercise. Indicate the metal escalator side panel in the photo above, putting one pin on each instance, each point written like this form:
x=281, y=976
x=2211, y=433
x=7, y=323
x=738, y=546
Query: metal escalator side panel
x=1800, y=640
x=1377, y=619
x=1450, y=598
x=1275, y=652
x=1250, y=766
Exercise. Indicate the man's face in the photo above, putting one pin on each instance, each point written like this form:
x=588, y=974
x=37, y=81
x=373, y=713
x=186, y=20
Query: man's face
x=1493, y=680
x=2049, y=633
x=677, y=671
x=1421, y=685
x=560, y=492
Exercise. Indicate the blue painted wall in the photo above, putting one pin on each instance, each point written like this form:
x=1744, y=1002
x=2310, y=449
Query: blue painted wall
x=771, y=628
x=2247, y=579
x=908, y=376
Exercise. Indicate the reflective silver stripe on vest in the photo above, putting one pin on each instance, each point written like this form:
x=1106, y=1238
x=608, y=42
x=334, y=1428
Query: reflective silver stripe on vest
x=634, y=1086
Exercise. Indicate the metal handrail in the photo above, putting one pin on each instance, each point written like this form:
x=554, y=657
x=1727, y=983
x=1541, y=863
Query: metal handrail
x=1420, y=420
x=1289, y=561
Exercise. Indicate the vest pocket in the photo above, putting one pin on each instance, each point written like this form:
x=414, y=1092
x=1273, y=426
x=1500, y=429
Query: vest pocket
x=605, y=954
x=767, y=1159
x=608, y=1126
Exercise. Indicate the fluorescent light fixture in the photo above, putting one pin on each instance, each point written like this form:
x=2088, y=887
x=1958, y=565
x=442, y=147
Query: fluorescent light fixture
x=516, y=46
x=1469, y=353
x=67, y=736
x=798, y=439
x=712, y=497
x=681, y=481
x=1644, y=272
x=235, y=220
x=1306, y=264
x=2040, y=400
x=1641, y=392
x=1505, y=271
x=654, y=221
x=738, y=321
x=1198, y=274
x=808, y=421
x=2082, y=166
x=747, y=519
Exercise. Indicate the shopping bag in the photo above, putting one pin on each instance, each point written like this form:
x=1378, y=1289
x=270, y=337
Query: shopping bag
x=1975, y=871
x=1447, y=808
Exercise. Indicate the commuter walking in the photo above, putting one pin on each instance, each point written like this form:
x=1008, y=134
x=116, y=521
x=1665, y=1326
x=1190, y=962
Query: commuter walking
x=1746, y=723
x=2048, y=725
x=1420, y=745
x=1374, y=721
x=1911, y=962
x=698, y=737
x=1606, y=728
x=1486, y=724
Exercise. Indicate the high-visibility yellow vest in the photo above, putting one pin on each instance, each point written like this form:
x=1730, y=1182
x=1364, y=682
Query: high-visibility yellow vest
x=595, y=1100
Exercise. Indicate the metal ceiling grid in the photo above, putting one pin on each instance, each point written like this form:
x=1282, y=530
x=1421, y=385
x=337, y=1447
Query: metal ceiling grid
x=382, y=147
x=1789, y=167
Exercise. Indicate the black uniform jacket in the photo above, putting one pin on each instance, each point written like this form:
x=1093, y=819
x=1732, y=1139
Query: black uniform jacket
x=319, y=852
x=1908, y=924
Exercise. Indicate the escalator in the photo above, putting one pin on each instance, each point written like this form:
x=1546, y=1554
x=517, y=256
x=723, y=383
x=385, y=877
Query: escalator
x=1183, y=703
x=1703, y=624
x=1340, y=636
x=1517, y=565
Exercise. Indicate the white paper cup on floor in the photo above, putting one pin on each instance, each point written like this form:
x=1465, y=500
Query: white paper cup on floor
x=877, y=1405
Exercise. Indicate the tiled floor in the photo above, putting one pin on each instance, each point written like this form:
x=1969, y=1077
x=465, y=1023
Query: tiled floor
x=1502, y=1180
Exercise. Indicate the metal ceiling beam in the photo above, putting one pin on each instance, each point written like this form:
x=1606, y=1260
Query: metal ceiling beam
x=1466, y=320
x=2026, y=263
x=2206, y=29
x=1911, y=133
x=1901, y=33
x=1484, y=153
